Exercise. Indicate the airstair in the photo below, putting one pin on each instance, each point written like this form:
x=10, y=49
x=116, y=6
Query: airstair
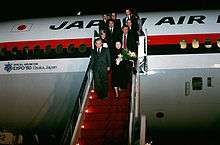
x=107, y=121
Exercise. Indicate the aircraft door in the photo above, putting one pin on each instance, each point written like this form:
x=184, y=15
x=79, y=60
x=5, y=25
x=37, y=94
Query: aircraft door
x=201, y=97
x=194, y=84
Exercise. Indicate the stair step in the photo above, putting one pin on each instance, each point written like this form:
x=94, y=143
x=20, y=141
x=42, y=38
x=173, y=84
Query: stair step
x=104, y=116
x=107, y=109
x=86, y=141
x=104, y=102
x=103, y=141
x=100, y=133
x=108, y=124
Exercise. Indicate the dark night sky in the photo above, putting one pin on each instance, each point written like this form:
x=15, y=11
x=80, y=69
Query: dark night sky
x=21, y=9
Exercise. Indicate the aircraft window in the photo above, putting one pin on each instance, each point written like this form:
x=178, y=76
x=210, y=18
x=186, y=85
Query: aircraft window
x=70, y=48
x=197, y=83
x=208, y=43
x=48, y=51
x=183, y=44
x=195, y=43
x=82, y=48
x=209, y=82
x=14, y=51
x=218, y=42
x=59, y=49
x=3, y=51
x=37, y=51
x=25, y=51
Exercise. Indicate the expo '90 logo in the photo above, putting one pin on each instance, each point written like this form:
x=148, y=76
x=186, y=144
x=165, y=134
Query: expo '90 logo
x=8, y=67
x=27, y=67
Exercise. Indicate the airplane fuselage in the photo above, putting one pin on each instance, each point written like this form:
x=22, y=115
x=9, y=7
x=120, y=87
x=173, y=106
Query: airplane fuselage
x=179, y=89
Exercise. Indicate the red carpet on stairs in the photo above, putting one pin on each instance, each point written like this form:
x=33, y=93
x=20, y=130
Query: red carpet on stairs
x=106, y=121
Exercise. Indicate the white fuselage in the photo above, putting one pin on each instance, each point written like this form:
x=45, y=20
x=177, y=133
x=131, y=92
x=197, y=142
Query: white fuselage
x=167, y=85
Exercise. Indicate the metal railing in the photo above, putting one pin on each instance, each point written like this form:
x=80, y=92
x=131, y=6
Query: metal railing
x=143, y=130
x=137, y=122
x=134, y=108
x=71, y=130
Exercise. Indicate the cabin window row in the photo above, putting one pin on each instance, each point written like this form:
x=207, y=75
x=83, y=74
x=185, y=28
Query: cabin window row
x=196, y=44
x=184, y=47
x=38, y=52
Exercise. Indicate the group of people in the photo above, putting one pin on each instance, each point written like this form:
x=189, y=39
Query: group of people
x=114, y=36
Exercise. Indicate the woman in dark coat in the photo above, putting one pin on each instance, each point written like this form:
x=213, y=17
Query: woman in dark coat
x=116, y=69
x=120, y=70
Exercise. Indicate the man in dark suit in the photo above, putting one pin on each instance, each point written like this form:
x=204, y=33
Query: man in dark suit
x=100, y=63
x=129, y=40
x=132, y=30
x=132, y=17
x=116, y=20
x=130, y=43
x=103, y=23
x=113, y=34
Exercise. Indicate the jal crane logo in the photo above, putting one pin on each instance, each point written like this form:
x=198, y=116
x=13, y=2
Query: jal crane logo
x=21, y=27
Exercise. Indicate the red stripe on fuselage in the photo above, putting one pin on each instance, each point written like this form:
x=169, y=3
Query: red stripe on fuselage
x=152, y=40
x=175, y=39
x=42, y=43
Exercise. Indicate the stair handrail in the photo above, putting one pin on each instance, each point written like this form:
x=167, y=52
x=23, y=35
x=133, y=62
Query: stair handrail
x=132, y=109
x=71, y=132
x=79, y=106
x=143, y=130
x=134, y=105
x=134, y=119
x=77, y=128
